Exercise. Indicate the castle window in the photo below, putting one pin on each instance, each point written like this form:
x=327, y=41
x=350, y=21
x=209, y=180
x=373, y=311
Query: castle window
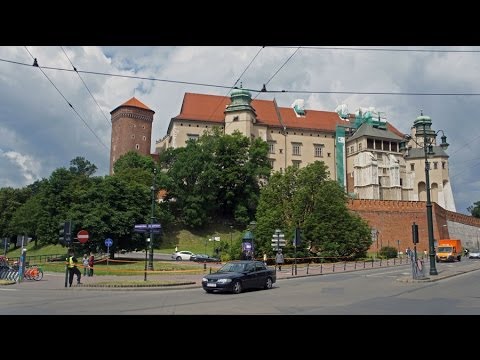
x=394, y=146
x=143, y=126
x=235, y=118
x=271, y=162
x=435, y=165
x=329, y=154
x=443, y=164
x=296, y=149
x=359, y=146
x=271, y=147
x=296, y=164
x=318, y=150
x=280, y=151
x=133, y=136
x=369, y=143
x=144, y=138
x=412, y=167
x=137, y=146
x=352, y=149
x=192, y=137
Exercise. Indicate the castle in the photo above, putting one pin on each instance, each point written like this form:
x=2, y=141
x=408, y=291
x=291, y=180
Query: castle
x=383, y=174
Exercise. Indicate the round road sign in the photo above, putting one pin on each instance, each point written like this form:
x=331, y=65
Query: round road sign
x=82, y=236
x=108, y=242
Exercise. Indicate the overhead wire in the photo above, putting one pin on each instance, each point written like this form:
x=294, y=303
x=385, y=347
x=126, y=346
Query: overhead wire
x=400, y=93
x=64, y=98
x=74, y=68
x=380, y=49
x=264, y=89
x=236, y=82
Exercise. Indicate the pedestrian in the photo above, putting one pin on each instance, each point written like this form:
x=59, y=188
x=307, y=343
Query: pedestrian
x=408, y=252
x=265, y=258
x=86, y=270
x=72, y=263
x=176, y=248
x=279, y=259
x=91, y=261
x=425, y=253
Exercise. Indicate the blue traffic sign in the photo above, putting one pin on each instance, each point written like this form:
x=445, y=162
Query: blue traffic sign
x=144, y=228
x=108, y=242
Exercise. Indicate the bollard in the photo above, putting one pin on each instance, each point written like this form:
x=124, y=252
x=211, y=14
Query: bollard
x=333, y=268
x=320, y=268
x=307, y=267
x=210, y=270
x=355, y=265
x=204, y=265
x=345, y=266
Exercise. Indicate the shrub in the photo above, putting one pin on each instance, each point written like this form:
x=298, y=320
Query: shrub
x=388, y=252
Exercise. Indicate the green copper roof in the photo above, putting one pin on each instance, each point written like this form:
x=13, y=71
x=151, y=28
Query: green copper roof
x=241, y=100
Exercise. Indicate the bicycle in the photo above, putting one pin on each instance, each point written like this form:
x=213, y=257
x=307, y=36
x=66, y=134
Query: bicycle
x=33, y=272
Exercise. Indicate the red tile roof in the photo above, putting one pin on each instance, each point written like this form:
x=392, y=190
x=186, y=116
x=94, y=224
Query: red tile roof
x=134, y=102
x=211, y=108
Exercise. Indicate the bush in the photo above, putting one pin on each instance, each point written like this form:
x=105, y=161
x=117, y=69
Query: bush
x=388, y=252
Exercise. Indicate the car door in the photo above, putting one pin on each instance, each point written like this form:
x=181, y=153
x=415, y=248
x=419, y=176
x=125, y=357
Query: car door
x=249, y=278
x=261, y=274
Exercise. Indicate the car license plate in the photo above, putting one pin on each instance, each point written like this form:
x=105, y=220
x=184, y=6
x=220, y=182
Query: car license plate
x=211, y=285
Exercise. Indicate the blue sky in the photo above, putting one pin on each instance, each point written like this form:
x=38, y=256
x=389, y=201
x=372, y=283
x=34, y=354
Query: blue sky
x=40, y=132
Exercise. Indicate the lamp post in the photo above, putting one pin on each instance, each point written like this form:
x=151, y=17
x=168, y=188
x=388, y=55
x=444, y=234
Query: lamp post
x=231, y=236
x=152, y=220
x=253, y=225
x=423, y=130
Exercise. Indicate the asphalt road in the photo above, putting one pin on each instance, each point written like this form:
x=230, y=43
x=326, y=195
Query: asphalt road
x=364, y=292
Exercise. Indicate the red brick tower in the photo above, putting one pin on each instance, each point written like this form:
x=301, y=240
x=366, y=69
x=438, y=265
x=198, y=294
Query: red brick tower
x=131, y=129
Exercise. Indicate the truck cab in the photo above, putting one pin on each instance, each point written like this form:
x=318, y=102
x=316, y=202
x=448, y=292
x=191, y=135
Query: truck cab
x=449, y=250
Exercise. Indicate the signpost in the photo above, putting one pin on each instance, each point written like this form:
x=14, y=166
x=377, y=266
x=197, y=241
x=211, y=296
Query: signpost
x=108, y=243
x=82, y=236
x=145, y=228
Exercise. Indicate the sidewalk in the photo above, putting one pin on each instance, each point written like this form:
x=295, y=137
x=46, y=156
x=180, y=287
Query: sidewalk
x=56, y=281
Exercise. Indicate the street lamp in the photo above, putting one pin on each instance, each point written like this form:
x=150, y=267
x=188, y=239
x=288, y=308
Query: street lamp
x=423, y=130
x=253, y=225
x=152, y=220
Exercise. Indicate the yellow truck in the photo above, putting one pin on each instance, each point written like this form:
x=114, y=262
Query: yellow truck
x=449, y=250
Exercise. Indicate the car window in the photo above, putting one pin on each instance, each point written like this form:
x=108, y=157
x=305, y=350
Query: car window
x=260, y=266
x=250, y=267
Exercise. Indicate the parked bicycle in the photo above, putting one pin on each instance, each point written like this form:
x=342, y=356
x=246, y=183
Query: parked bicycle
x=33, y=272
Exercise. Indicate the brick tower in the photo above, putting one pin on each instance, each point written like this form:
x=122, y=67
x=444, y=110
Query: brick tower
x=131, y=129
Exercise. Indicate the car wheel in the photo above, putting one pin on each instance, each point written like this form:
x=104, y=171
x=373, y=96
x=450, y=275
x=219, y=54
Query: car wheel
x=209, y=291
x=178, y=258
x=237, y=287
x=268, y=283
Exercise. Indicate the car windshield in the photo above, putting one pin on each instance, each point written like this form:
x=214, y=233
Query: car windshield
x=232, y=267
x=445, y=249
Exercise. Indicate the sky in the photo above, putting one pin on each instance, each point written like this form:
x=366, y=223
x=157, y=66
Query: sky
x=46, y=121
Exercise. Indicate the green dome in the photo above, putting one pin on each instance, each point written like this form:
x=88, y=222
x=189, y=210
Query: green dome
x=239, y=92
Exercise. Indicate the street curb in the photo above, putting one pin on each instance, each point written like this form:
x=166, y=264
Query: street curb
x=436, y=278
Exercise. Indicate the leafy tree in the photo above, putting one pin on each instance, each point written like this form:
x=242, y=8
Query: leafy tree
x=475, y=209
x=81, y=166
x=215, y=176
x=305, y=198
x=135, y=167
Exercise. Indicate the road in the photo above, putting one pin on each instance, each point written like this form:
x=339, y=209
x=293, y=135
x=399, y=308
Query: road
x=363, y=292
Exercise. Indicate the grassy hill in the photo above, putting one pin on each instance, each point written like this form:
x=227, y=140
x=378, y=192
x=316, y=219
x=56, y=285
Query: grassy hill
x=197, y=242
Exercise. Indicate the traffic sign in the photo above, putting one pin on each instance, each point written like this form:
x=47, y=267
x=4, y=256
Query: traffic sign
x=145, y=228
x=82, y=236
x=108, y=242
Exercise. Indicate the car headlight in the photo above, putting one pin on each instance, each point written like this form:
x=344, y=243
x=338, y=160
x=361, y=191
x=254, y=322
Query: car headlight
x=224, y=281
x=204, y=280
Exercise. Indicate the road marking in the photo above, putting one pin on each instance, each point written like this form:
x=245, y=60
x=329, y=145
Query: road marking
x=8, y=289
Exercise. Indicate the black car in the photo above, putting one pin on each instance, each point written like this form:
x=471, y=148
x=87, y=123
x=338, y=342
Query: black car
x=204, y=258
x=236, y=276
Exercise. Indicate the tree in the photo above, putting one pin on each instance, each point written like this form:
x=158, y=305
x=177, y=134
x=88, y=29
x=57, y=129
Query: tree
x=215, y=176
x=475, y=209
x=305, y=198
x=81, y=166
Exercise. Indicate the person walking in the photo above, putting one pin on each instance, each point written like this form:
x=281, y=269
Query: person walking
x=279, y=259
x=91, y=261
x=72, y=263
x=86, y=270
x=265, y=258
